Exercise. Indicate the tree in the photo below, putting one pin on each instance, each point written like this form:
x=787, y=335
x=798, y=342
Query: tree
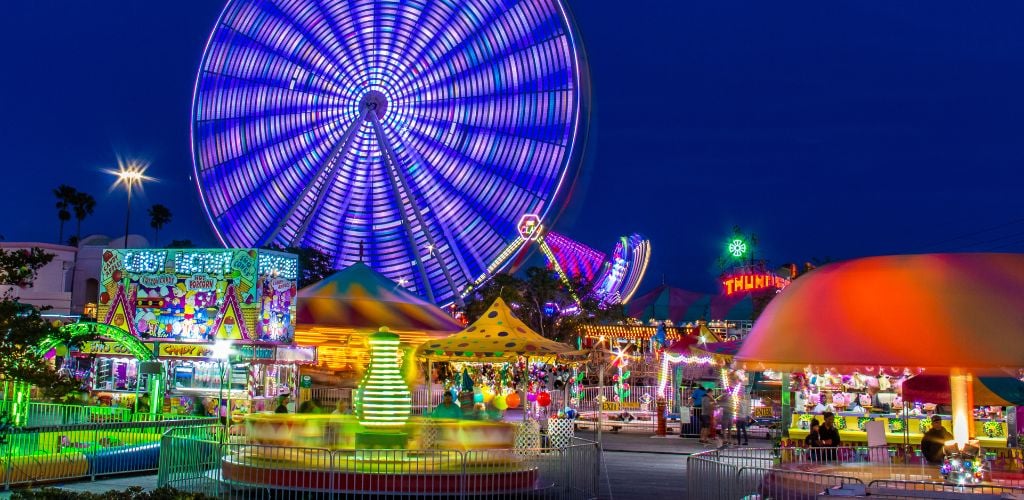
x=22, y=326
x=159, y=215
x=314, y=264
x=83, y=205
x=539, y=298
x=65, y=198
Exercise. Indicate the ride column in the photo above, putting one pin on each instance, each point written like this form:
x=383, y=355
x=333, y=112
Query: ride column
x=20, y=394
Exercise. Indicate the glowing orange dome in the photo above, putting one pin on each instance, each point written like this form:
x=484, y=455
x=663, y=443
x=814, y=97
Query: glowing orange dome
x=933, y=311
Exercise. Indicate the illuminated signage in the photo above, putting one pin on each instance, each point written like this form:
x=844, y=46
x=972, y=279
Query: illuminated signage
x=737, y=248
x=745, y=282
x=101, y=347
x=185, y=351
x=199, y=295
x=529, y=227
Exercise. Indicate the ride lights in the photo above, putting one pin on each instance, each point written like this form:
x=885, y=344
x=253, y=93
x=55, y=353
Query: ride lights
x=385, y=399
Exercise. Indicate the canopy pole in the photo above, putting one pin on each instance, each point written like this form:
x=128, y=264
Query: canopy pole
x=961, y=391
x=526, y=381
x=600, y=401
x=430, y=386
x=787, y=407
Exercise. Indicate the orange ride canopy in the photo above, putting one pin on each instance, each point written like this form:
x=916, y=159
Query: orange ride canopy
x=933, y=312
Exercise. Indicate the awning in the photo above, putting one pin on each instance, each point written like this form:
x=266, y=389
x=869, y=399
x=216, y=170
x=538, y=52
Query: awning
x=988, y=391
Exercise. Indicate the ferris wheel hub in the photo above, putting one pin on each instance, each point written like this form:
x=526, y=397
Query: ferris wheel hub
x=375, y=102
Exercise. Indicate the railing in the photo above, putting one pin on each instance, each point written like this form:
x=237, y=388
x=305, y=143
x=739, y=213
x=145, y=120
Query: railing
x=195, y=460
x=55, y=414
x=46, y=454
x=789, y=473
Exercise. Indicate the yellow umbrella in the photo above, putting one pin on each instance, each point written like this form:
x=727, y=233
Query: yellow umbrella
x=497, y=336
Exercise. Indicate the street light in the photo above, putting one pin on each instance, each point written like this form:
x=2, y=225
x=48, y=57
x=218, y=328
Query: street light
x=129, y=175
x=222, y=352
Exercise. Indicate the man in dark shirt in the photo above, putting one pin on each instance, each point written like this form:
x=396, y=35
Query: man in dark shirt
x=829, y=436
x=934, y=441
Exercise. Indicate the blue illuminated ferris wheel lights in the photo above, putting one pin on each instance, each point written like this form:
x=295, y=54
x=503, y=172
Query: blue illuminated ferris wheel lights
x=391, y=123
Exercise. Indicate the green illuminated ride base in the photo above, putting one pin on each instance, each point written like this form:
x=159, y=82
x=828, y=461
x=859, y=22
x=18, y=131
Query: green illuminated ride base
x=381, y=440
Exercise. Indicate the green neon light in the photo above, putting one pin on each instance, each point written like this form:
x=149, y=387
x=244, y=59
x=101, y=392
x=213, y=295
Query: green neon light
x=737, y=248
x=385, y=400
x=76, y=330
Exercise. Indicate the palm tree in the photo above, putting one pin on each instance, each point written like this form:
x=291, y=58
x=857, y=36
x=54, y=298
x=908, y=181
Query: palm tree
x=65, y=197
x=158, y=216
x=83, y=205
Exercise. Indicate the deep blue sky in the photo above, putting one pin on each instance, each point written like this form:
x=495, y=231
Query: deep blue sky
x=829, y=128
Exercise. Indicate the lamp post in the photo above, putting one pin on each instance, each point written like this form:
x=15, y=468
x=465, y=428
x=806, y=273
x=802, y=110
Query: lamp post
x=129, y=175
x=222, y=352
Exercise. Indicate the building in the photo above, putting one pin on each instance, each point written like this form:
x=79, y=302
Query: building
x=52, y=286
x=85, y=292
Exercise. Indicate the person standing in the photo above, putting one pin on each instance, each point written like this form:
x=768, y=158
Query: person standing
x=707, y=412
x=743, y=418
x=829, y=436
x=934, y=441
x=697, y=399
x=813, y=441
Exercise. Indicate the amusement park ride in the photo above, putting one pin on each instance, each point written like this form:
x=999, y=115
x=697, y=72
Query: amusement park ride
x=390, y=135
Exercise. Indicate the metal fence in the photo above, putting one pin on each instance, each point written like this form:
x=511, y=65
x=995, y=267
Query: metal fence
x=47, y=454
x=196, y=460
x=756, y=473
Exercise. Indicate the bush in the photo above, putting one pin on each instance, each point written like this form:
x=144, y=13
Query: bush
x=133, y=493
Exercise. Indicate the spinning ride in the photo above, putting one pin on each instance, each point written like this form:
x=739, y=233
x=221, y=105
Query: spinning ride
x=407, y=135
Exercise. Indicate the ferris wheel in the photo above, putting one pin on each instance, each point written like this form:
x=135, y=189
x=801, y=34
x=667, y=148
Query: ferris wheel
x=408, y=134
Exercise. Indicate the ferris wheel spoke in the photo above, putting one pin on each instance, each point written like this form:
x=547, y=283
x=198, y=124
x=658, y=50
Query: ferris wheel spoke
x=443, y=33
x=507, y=32
x=402, y=182
x=439, y=199
x=286, y=35
x=532, y=69
x=322, y=179
x=513, y=163
x=442, y=185
x=240, y=180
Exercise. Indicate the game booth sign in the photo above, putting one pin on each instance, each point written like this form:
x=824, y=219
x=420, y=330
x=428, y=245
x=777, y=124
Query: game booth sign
x=184, y=301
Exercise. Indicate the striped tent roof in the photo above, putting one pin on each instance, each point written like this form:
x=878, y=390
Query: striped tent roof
x=684, y=306
x=360, y=298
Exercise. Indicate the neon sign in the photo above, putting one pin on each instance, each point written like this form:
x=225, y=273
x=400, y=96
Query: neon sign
x=737, y=248
x=749, y=281
x=529, y=227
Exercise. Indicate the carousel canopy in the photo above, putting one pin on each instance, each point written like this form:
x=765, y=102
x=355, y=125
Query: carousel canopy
x=359, y=298
x=497, y=336
x=933, y=312
x=684, y=306
x=988, y=391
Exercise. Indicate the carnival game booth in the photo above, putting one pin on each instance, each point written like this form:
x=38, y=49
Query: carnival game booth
x=955, y=316
x=220, y=322
x=337, y=315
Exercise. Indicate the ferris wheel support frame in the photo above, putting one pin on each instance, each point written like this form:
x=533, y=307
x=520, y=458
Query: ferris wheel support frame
x=330, y=167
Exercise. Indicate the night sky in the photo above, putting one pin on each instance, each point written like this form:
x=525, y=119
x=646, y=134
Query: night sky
x=838, y=129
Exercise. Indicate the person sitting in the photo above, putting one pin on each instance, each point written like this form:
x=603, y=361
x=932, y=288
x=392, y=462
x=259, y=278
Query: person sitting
x=934, y=441
x=344, y=407
x=447, y=408
x=282, y=404
x=855, y=407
